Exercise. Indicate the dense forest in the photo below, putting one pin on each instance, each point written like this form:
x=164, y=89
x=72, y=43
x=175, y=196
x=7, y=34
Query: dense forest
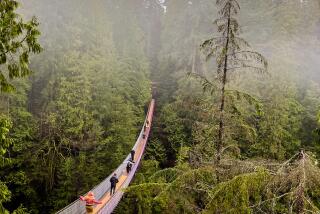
x=237, y=89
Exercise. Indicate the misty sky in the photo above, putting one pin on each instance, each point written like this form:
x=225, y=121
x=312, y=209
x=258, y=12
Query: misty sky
x=283, y=30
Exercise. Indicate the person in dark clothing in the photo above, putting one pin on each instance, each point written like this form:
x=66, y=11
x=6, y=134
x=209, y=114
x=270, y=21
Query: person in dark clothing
x=132, y=155
x=129, y=166
x=113, y=180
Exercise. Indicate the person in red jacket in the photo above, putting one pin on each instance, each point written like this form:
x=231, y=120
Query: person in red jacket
x=90, y=201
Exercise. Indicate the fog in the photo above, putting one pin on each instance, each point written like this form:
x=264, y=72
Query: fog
x=77, y=116
x=283, y=31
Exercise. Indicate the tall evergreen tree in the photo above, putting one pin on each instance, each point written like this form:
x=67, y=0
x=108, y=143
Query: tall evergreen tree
x=233, y=54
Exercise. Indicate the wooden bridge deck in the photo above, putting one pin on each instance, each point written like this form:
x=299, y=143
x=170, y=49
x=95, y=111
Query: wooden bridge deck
x=106, y=198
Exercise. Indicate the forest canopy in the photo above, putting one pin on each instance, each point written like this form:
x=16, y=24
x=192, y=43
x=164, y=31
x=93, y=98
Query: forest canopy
x=237, y=121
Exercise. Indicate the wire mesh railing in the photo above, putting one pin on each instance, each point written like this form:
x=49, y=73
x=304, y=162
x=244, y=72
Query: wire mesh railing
x=78, y=206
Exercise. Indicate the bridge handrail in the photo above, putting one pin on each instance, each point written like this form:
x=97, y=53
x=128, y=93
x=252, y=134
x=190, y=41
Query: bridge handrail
x=113, y=202
x=102, y=188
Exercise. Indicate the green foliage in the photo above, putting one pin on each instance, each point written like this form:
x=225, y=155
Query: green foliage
x=173, y=129
x=5, y=196
x=5, y=140
x=237, y=194
x=148, y=168
x=156, y=151
x=188, y=192
x=139, y=198
x=293, y=187
x=20, y=210
x=232, y=54
x=167, y=175
x=18, y=40
x=170, y=190
x=76, y=119
x=78, y=116
x=234, y=187
x=279, y=128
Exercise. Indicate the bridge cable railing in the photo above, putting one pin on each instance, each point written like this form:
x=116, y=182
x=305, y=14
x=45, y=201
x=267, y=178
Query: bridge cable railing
x=78, y=206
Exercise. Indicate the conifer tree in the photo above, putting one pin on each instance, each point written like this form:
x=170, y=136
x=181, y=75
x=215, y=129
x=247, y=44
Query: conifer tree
x=293, y=188
x=232, y=54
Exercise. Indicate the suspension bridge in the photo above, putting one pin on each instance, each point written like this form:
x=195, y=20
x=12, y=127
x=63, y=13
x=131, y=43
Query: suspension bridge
x=102, y=190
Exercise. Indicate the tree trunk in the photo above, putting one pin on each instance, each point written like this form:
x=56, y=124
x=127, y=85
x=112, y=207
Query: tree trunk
x=220, y=142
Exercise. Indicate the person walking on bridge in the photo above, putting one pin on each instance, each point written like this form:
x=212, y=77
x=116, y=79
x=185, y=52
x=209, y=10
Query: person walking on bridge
x=145, y=129
x=113, y=180
x=129, y=166
x=132, y=155
x=90, y=201
x=146, y=126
